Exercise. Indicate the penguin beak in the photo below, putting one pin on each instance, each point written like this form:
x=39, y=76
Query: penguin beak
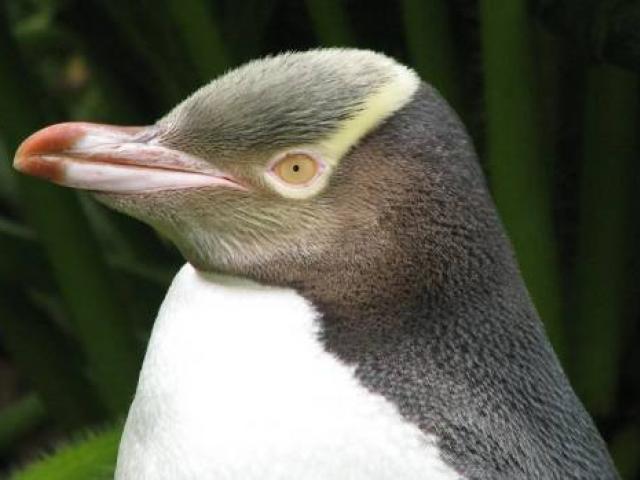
x=106, y=158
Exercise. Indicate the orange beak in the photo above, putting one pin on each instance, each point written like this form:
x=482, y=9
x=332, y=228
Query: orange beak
x=113, y=159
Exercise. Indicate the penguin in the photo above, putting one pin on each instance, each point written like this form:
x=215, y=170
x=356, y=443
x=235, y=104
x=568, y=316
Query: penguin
x=350, y=308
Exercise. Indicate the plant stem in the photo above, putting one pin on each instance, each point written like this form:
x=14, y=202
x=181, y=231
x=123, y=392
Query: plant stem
x=430, y=41
x=610, y=150
x=515, y=153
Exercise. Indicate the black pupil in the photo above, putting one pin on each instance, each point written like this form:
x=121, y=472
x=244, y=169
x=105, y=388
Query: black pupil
x=296, y=168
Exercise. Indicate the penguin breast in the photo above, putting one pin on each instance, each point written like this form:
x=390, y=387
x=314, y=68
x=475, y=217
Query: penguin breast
x=237, y=385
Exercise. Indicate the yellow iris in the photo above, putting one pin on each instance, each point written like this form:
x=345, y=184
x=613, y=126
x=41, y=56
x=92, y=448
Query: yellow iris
x=296, y=168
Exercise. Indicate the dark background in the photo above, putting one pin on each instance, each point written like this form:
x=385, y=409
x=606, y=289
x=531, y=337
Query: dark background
x=548, y=89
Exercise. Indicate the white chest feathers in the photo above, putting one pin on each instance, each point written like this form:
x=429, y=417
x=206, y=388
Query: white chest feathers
x=236, y=386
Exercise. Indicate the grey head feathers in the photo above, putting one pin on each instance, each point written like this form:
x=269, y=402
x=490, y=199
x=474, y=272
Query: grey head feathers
x=275, y=102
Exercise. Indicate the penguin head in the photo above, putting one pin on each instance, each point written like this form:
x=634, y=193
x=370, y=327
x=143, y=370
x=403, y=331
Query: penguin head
x=275, y=162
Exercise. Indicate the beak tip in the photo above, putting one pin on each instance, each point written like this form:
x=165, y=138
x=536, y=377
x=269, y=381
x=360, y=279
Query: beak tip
x=19, y=162
x=30, y=158
x=22, y=161
x=38, y=166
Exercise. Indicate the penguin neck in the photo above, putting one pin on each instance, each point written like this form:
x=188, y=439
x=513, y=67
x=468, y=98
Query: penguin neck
x=363, y=306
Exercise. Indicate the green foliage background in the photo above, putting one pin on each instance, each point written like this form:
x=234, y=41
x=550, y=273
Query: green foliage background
x=548, y=88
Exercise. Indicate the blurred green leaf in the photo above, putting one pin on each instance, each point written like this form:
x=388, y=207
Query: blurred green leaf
x=8, y=184
x=18, y=243
x=92, y=456
x=625, y=450
x=606, y=30
x=133, y=20
x=201, y=36
x=49, y=360
x=245, y=25
x=331, y=23
x=20, y=419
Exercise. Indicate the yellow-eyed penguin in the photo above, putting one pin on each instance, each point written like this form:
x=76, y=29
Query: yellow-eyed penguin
x=351, y=308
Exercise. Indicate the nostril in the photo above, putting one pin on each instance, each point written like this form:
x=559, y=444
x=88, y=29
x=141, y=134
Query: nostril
x=145, y=134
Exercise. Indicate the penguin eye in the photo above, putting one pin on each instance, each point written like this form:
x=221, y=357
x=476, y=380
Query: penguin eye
x=296, y=168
